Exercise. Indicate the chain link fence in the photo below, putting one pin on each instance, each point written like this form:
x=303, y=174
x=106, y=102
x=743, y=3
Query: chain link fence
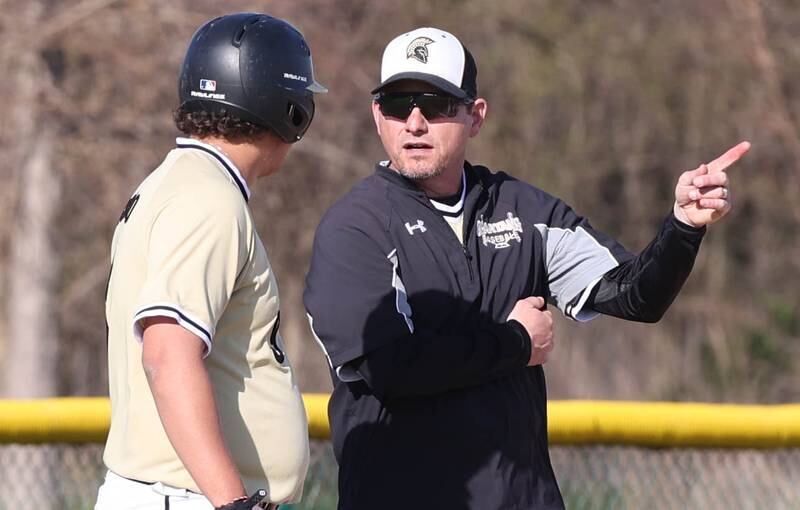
x=628, y=478
x=66, y=477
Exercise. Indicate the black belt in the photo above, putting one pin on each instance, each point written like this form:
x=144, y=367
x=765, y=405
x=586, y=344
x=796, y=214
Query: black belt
x=138, y=481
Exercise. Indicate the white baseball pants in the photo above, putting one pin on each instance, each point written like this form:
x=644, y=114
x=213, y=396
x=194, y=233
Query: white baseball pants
x=118, y=493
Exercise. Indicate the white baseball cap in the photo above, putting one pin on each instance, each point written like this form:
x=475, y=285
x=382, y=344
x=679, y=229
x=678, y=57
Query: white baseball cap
x=433, y=56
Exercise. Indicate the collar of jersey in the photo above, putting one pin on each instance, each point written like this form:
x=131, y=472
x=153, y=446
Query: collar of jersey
x=457, y=208
x=222, y=159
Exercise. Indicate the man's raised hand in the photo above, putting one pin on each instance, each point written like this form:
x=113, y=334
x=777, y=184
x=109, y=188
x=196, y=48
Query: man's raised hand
x=702, y=195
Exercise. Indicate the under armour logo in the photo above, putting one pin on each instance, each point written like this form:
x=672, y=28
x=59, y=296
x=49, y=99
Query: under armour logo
x=419, y=226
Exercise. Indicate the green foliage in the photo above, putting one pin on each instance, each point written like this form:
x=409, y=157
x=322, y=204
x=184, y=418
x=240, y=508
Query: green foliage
x=786, y=316
x=765, y=351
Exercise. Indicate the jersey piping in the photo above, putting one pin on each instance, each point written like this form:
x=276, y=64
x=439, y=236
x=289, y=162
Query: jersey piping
x=174, y=312
x=227, y=164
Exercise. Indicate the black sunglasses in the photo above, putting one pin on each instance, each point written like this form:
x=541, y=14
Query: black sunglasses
x=433, y=106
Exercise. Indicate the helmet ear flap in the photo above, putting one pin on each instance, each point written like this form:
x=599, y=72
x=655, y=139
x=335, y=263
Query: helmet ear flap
x=298, y=117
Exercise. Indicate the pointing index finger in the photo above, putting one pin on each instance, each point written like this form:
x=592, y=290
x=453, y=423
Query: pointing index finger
x=730, y=157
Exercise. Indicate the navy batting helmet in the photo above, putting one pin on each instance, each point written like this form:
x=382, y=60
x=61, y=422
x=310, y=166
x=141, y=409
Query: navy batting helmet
x=255, y=67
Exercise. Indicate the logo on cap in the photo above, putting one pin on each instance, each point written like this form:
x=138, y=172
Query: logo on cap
x=208, y=85
x=418, y=49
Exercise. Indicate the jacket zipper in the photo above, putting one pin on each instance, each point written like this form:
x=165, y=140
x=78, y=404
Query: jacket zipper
x=465, y=231
x=468, y=258
x=464, y=249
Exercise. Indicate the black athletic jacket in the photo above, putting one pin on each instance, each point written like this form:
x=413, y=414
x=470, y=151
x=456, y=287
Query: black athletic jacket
x=433, y=405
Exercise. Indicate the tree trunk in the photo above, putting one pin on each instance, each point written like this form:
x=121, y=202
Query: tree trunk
x=31, y=343
x=31, y=353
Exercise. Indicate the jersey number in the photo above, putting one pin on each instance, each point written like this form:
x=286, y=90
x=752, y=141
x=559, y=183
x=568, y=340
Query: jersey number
x=273, y=341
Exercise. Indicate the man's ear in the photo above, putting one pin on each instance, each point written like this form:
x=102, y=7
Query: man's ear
x=377, y=116
x=478, y=115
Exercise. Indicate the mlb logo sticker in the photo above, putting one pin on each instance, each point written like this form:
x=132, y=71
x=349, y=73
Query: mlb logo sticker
x=208, y=85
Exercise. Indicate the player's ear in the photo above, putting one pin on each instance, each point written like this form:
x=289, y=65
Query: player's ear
x=377, y=116
x=478, y=115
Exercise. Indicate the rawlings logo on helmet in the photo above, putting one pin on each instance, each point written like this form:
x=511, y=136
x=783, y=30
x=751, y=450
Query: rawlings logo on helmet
x=418, y=49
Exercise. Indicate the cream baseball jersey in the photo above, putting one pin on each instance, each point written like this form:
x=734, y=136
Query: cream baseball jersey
x=186, y=248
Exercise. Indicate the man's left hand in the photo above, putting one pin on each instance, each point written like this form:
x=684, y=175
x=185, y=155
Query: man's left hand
x=255, y=502
x=703, y=196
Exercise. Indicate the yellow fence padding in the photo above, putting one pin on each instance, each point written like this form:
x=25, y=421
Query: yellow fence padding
x=576, y=422
x=54, y=420
x=667, y=424
x=317, y=411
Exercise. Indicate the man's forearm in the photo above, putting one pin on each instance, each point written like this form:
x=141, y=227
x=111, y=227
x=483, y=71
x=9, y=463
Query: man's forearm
x=427, y=363
x=642, y=288
x=185, y=400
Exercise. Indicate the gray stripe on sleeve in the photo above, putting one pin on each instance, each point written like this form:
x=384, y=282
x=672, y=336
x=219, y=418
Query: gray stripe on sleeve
x=401, y=299
x=574, y=260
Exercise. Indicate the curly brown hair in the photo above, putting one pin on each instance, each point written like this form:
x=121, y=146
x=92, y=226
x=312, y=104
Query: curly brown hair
x=224, y=125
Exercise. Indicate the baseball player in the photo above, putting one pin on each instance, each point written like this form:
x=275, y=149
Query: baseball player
x=428, y=290
x=206, y=412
